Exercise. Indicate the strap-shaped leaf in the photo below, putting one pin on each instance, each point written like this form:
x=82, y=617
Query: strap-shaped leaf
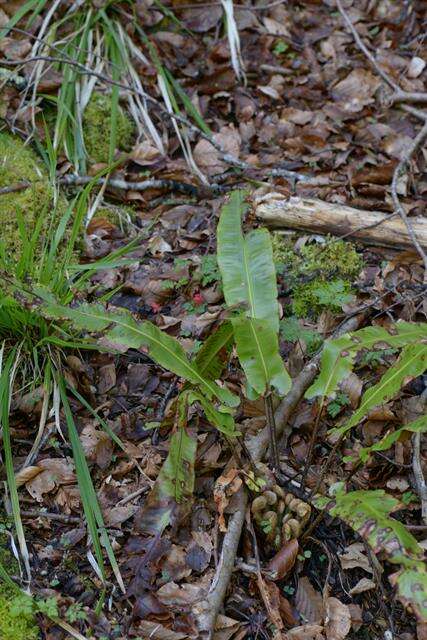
x=120, y=330
x=222, y=420
x=338, y=355
x=411, y=363
x=258, y=351
x=212, y=356
x=416, y=426
x=246, y=264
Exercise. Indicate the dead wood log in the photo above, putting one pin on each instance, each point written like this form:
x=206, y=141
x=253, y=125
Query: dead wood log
x=315, y=216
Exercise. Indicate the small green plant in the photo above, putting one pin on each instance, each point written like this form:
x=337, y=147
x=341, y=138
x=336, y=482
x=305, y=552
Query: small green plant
x=209, y=272
x=292, y=331
x=75, y=613
x=340, y=401
x=311, y=298
x=17, y=616
x=280, y=47
x=374, y=359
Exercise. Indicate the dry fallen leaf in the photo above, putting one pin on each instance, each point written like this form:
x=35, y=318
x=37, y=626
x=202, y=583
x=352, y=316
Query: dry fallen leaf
x=354, y=556
x=356, y=90
x=306, y=632
x=283, y=561
x=97, y=445
x=364, y=584
x=308, y=601
x=225, y=487
x=338, y=619
x=54, y=472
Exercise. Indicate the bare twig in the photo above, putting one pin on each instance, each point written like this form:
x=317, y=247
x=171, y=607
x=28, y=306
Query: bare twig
x=400, y=168
x=420, y=480
x=398, y=92
x=172, y=185
x=58, y=517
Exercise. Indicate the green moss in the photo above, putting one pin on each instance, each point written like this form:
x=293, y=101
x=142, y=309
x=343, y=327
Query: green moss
x=97, y=128
x=319, y=275
x=17, y=621
x=312, y=298
x=19, y=163
x=13, y=626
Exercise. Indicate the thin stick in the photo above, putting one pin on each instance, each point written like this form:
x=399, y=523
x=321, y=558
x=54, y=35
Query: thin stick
x=416, y=143
x=419, y=475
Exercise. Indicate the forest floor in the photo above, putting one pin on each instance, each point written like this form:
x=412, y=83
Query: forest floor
x=309, y=116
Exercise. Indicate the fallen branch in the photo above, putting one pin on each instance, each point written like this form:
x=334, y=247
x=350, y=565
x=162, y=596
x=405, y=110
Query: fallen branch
x=317, y=216
x=202, y=191
x=257, y=446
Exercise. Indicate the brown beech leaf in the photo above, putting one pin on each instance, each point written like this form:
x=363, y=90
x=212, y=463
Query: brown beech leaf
x=356, y=90
x=54, y=472
x=225, y=487
x=354, y=556
x=306, y=632
x=281, y=563
x=338, y=619
x=364, y=584
x=308, y=601
x=97, y=445
x=156, y=631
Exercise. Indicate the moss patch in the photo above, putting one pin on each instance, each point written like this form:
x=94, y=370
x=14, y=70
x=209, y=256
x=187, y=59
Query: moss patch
x=320, y=276
x=97, y=128
x=19, y=163
x=16, y=622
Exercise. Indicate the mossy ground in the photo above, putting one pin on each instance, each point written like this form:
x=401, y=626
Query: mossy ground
x=16, y=623
x=97, y=128
x=19, y=163
x=319, y=275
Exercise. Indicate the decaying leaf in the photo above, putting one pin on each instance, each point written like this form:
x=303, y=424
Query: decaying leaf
x=338, y=619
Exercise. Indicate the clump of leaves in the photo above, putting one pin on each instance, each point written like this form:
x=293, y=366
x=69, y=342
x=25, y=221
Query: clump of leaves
x=340, y=401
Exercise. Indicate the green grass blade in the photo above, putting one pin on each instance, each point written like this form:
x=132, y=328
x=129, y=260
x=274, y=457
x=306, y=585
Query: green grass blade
x=90, y=502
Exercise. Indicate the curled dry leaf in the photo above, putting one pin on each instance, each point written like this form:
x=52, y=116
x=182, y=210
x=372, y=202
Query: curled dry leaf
x=27, y=474
x=354, y=556
x=306, y=632
x=352, y=386
x=97, y=445
x=308, y=601
x=338, y=619
x=365, y=584
x=184, y=595
x=54, y=472
x=156, y=631
x=281, y=563
x=225, y=487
